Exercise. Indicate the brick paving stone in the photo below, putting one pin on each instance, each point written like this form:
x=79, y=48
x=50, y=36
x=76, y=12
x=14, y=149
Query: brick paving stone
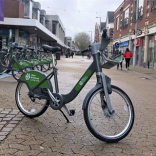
x=14, y=122
x=10, y=116
x=3, y=123
x=7, y=129
x=7, y=124
x=2, y=137
x=6, y=119
x=2, y=115
x=17, y=118
x=10, y=125
x=4, y=133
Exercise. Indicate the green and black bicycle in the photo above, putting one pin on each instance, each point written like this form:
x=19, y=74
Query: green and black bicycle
x=108, y=111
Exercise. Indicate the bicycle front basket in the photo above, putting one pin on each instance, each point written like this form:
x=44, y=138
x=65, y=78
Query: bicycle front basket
x=109, y=63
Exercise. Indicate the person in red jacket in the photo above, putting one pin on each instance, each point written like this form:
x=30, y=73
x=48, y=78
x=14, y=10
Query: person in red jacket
x=127, y=55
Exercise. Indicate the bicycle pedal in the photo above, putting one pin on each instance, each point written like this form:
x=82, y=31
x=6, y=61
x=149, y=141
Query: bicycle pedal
x=72, y=112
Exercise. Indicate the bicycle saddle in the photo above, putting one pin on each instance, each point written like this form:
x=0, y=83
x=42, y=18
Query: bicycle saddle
x=31, y=48
x=47, y=48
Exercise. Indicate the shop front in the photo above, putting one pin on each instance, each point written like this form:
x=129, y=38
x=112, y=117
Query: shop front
x=4, y=34
x=123, y=46
x=152, y=51
x=139, y=53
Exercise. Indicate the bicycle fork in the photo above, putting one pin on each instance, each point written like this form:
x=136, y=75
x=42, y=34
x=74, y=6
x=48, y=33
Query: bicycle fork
x=108, y=111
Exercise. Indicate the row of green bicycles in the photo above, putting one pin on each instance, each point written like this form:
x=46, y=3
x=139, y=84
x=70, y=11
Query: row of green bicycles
x=18, y=59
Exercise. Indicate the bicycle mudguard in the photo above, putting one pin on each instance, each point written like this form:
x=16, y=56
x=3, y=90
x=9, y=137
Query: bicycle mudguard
x=35, y=62
x=33, y=78
x=22, y=64
x=97, y=86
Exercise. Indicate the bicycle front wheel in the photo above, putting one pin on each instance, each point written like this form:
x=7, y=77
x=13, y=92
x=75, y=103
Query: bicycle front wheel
x=30, y=107
x=106, y=127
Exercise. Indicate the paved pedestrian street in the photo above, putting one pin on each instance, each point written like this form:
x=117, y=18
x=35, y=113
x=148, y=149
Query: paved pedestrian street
x=50, y=135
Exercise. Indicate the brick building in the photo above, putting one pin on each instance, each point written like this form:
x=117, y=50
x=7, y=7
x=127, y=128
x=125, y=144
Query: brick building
x=96, y=37
x=124, y=26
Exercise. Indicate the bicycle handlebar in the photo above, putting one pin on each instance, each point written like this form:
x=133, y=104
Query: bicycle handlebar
x=104, y=40
x=86, y=50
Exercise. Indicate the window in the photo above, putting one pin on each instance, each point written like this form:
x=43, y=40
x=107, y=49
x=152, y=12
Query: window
x=126, y=14
x=47, y=24
x=141, y=3
x=27, y=8
x=117, y=23
x=54, y=27
x=42, y=20
x=38, y=15
x=69, y=44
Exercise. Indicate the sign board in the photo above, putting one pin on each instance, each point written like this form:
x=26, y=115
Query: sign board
x=138, y=42
x=155, y=38
x=1, y=10
x=139, y=32
x=116, y=44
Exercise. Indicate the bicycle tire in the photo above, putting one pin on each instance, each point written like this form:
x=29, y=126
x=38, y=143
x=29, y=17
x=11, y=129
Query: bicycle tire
x=26, y=105
x=100, y=124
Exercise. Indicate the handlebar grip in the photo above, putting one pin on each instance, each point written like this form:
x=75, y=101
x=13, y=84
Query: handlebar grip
x=104, y=34
x=86, y=50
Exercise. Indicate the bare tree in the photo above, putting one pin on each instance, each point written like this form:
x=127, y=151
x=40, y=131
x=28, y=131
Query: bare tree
x=82, y=40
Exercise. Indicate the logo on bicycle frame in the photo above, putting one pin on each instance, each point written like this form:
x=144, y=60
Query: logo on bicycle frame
x=83, y=80
x=27, y=77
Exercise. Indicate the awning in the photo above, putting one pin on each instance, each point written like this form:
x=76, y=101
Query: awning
x=31, y=26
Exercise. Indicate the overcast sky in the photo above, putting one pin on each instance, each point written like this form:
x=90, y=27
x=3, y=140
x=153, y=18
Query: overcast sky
x=79, y=15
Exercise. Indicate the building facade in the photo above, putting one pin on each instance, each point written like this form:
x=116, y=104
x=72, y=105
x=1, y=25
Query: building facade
x=110, y=27
x=124, y=30
x=30, y=25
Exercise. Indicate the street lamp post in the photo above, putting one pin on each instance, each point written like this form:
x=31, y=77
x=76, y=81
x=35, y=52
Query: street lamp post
x=99, y=27
x=136, y=27
x=91, y=37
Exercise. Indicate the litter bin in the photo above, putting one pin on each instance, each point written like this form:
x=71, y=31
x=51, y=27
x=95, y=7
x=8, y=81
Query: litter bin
x=144, y=65
x=58, y=56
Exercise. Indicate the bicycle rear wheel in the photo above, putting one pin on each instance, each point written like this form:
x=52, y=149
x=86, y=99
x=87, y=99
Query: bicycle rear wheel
x=30, y=107
x=104, y=126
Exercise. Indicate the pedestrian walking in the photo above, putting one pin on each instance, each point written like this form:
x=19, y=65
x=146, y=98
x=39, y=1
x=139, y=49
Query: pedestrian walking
x=127, y=54
x=72, y=54
x=121, y=59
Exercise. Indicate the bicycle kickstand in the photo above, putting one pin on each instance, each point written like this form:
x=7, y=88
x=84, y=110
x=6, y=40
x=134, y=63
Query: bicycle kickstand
x=70, y=113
